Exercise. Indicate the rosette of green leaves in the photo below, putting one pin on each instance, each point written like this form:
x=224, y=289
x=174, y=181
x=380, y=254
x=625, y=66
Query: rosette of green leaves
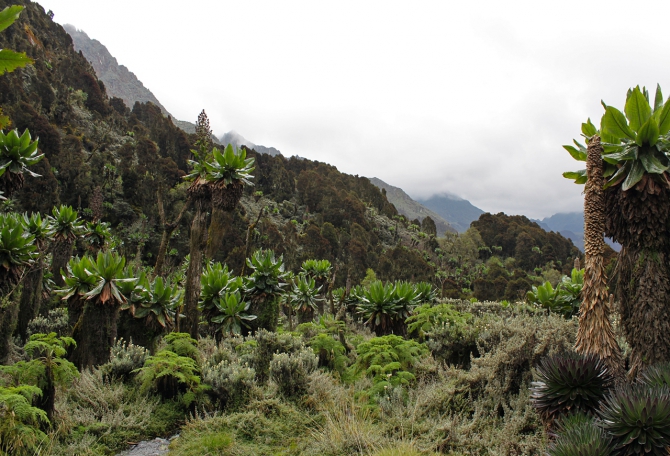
x=216, y=280
x=230, y=166
x=78, y=281
x=568, y=384
x=579, y=435
x=39, y=227
x=17, y=153
x=378, y=305
x=108, y=269
x=97, y=233
x=406, y=298
x=319, y=269
x=66, y=224
x=232, y=313
x=426, y=292
x=17, y=245
x=657, y=375
x=156, y=301
x=638, y=418
x=304, y=293
x=268, y=275
x=635, y=142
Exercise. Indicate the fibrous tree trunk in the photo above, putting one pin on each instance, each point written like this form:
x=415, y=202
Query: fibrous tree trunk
x=31, y=300
x=638, y=220
x=224, y=201
x=95, y=333
x=168, y=229
x=62, y=252
x=192, y=287
x=595, y=334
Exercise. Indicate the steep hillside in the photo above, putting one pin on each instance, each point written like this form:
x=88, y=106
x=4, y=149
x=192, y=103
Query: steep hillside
x=458, y=212
x=410, y=208
x=119, y=80
x=96, y=145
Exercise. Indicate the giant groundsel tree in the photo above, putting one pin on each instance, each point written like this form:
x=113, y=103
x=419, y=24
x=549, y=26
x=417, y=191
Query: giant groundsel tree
x=635, y=158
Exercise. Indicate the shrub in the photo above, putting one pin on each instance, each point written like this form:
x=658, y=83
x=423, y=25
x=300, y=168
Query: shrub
x=231, y=383
x=290, y=372
x=56, y=321
x=169, y=375
x=183, y=345
x=267, y=345
x=125, y=358
x=107, y=415
x=657, y=375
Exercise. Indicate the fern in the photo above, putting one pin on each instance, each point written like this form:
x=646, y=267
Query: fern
x=19, y=420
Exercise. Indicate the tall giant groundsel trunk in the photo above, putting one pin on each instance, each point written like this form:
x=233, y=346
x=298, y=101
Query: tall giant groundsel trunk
x=31, y=300
x=638, y=220
x=224, y=201
x=192, y=287
x=95, y=333
x=595, y=334
x=62, y=252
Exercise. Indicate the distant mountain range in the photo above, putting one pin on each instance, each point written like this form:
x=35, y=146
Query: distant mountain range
x=571, y=226
x=410, y=208
x=458, y=212
x=237, y=140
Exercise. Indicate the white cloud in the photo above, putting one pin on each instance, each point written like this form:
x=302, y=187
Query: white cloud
x=473, y=98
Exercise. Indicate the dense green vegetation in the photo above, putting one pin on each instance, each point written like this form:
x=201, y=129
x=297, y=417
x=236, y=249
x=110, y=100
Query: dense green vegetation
x=151, y=283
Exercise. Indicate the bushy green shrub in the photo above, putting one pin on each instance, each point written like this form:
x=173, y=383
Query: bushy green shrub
x=267, y=344
x=56, y=321
x=290, y=372
x=231, y=383
x=170, y=375
x=125, y=358
x=183, y=345
x=107, y=415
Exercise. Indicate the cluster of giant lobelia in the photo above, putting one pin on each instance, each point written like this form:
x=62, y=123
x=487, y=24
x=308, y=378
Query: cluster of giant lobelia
x=634, y=204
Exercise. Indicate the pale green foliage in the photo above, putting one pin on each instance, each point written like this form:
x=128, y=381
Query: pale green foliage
x=169, y=374
x=216, y=281
x=230, y=382
x=426, y=318
x=290, y=371
x=55, y=321
x=389, y=361
x=125, y=357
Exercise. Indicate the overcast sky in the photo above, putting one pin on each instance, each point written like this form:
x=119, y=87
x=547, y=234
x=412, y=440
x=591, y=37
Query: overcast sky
x=470, y=98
